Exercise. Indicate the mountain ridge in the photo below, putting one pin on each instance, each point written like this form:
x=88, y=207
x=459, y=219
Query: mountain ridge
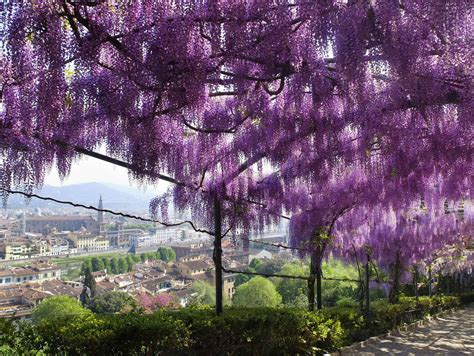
x=114, y=196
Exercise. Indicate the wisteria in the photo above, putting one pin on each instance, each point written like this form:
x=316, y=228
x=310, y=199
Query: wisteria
x=341, y=114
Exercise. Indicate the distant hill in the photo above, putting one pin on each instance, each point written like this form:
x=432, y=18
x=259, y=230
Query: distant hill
x=114, y=196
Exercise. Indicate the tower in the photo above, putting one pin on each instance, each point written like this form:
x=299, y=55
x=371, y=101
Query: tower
x=23, y=223
x=100, y=216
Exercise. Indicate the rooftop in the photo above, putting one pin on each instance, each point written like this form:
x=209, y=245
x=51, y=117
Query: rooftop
x=195, y=265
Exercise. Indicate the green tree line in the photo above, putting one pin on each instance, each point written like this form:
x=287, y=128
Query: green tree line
x=124, y=264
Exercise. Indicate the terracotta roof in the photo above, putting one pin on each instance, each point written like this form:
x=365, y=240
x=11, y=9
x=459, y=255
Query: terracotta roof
x=195, y=265
x=200, y=277
x=26, y=271
x=5, y=273
x=99, y=273
x=106, y=286
x=10, y=292
x=56, y=287
x=33, y=295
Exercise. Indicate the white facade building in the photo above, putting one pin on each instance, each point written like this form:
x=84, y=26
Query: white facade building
x=21, y=275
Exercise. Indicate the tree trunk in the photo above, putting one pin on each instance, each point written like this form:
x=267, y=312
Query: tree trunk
x=217, y=254
x=367, y=282
x=415, y=282
x=361, y=294
x=319, y=277
x=397, y=271
x=459, y=284
x=311, y=282
x=316, y=275
x=430, y=277
x=438, y=284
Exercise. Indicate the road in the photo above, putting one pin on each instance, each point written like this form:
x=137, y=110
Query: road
x=449, y=335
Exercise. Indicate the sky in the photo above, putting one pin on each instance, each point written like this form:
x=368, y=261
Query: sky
x=88, y=169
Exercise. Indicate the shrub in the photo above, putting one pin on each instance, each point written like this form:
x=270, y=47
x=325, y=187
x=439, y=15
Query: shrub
x=385, y=316
x=111, y=302
x=57, y=307
x=347, y=302
x=260, y=331
x=249, y=331
x=239, y=331
x=467, y=298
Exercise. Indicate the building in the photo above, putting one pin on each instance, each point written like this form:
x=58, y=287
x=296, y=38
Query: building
x=238, y=255
x=46, y=224
x=38, y=272
x=158, y=285
x=193, y=268
x=260, y=254
x=228, y=285
x=17, y=248
x=183, y=296
x=190, y=235
x=86, y=241
x=169, y=235
x=58, y=246
x=193, y=249
x=100, y=216
x=18, y=301
x=4, y=234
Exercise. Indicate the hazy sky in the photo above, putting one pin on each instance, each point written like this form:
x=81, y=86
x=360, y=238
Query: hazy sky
x=89, y=169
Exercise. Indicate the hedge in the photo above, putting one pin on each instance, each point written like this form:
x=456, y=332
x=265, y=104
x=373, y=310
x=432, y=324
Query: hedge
x=385, y=316
x=467, y=298
x=239, y=331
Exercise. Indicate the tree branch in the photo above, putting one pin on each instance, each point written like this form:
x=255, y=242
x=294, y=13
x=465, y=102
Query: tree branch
x=117, y=213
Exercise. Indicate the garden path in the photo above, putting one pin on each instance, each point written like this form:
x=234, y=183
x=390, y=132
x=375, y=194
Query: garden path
x=448, y=335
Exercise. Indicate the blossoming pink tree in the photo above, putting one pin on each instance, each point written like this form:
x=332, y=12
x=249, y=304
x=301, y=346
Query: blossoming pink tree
x=159, y=301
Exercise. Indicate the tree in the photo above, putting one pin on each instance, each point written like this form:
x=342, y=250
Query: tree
x=160, y=301
x=271, y=266
x=106, y=262
x=136, y=258
x=122, y=265
x=86, y=266
x=143, y=256
x=90, y=287
x=167, y=254
x=333, y=291
x=111, y=302
x=258, y=292
x=153, y=256
x=291, y=289
x=130, y=263
x=114, y=267
x=233, y=96
x=243, y=278
x=396, y=239
x=58, y=307
x=205, y=293
x=97, y=264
